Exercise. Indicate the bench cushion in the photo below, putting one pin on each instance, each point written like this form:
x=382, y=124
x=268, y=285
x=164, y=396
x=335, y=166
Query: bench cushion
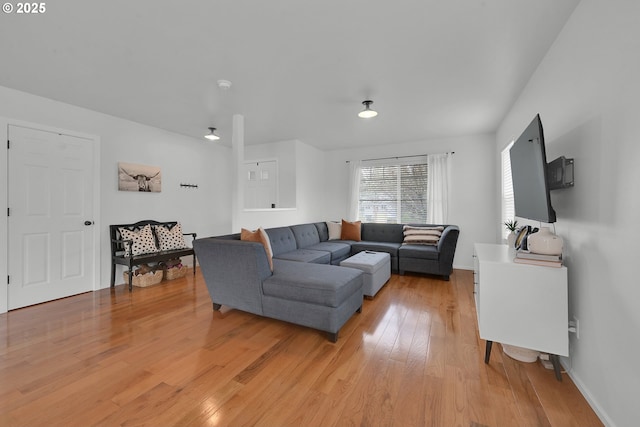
x=317, y=284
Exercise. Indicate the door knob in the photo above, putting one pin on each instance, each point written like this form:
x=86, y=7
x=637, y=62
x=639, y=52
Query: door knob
x=88, y=223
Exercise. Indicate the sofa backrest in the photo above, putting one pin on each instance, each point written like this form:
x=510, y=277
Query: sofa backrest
x=390, y=233
x=306, y=235
x=282, y=240
x=323, y=231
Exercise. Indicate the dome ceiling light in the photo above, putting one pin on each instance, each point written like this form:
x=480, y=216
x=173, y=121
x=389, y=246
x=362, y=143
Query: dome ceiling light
x=367, y=113
x=211, y=136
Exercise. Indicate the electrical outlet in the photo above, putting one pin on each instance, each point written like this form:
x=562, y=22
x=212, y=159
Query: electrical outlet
x=574, y=326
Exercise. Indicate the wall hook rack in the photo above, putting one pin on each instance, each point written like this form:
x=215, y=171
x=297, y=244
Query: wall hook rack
x=189, y=185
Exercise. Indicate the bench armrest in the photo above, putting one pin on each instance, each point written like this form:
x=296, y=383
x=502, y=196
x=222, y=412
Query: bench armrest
x=128, y=242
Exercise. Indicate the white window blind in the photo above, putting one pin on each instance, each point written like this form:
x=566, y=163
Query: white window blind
x=393, y=193
x=508, y=205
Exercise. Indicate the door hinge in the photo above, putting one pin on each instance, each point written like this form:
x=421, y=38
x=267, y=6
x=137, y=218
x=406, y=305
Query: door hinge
x=8, y=211
x=8, y=280
x=8, y=144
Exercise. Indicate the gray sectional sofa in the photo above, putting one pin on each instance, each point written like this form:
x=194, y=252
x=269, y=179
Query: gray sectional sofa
x=307, y=286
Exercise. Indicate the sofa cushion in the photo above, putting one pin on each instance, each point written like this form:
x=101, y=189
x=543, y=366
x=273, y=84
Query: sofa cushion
x=282, y=240
x=338, y=250
x=306, y=235
x=390, y=248
x=317, y=284
x=382, y=232
x=307, y=255
x=259, y=236
x=419, y=251
x=351, y=231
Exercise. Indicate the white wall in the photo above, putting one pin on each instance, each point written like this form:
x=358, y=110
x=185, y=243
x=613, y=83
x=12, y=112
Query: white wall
x=204, y=210
x=472, y=199
x=309, y=186
x=285, y=153
x=587, y=90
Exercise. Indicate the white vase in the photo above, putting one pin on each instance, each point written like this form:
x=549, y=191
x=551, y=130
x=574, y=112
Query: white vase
x=511, y=240
x=545, y=242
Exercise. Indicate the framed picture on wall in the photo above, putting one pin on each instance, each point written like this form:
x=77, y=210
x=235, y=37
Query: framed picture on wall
x=135, y=177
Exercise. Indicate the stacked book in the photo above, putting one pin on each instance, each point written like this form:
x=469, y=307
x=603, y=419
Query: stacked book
x=526, y=257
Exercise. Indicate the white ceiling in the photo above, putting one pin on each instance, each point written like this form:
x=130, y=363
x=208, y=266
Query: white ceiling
x=300, y=69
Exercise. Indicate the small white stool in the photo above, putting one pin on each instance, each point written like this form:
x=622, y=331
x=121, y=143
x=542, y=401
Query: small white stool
x=376, y=267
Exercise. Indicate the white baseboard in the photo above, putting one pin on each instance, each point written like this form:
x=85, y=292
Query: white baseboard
x=601, y=413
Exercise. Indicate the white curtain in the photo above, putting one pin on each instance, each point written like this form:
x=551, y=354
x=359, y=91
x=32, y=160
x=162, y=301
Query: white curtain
x=354, y=189
x=438, y=188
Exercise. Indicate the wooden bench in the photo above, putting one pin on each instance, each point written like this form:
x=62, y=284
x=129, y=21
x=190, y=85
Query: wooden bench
x=119, y=246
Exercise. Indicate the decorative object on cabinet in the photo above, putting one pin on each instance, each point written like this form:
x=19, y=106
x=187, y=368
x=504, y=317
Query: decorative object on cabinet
x=545, y=242
x=512, y=226
x=520, y=237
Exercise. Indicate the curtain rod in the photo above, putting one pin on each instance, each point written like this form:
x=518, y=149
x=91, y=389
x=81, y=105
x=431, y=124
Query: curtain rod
x=398, y=157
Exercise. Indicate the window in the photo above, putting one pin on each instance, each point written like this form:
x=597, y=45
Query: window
x=393, y=193
x=508, y=205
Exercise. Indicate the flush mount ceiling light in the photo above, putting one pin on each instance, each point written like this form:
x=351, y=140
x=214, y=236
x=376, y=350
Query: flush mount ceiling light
x=212, y=135
x=367, y=113
x=224, y=84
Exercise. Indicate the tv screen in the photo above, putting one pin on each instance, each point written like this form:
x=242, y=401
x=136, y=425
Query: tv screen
x=529, y=175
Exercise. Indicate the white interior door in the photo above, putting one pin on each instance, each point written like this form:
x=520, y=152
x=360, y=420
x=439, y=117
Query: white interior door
x=50, y=182
x=261, y=184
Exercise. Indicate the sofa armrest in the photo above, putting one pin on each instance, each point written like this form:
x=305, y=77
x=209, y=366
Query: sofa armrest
x=233, y=271
x=447, y=248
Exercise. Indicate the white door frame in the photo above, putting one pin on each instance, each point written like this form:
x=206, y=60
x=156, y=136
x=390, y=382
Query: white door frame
x=4, y=221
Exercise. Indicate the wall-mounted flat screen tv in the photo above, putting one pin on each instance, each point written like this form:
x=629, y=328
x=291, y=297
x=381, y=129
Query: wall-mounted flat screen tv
x=529, y=175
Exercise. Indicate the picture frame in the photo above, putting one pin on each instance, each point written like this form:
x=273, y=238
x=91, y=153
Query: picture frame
x=141, y=178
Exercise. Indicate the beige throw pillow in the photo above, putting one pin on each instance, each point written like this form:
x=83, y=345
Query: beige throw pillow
x=335, y=230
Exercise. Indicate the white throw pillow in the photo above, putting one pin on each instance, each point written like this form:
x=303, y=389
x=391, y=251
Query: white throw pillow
x=335, y=230
x=170, y=238
x=143, y=241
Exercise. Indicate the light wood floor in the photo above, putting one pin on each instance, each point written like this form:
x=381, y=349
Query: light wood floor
x=160, y=357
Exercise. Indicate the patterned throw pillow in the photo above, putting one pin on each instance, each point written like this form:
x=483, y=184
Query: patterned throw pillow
x=414, y=235
x=170, y=238
x=143, y=241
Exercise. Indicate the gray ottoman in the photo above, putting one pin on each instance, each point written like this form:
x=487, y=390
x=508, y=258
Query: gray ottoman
x=376, y=267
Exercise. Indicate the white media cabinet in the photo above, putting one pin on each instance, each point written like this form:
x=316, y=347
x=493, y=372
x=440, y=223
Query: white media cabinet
x=520, y=304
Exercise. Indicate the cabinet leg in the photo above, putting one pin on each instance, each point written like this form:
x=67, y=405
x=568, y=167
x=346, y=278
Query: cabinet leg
x=487, y=351
x=555, y=360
